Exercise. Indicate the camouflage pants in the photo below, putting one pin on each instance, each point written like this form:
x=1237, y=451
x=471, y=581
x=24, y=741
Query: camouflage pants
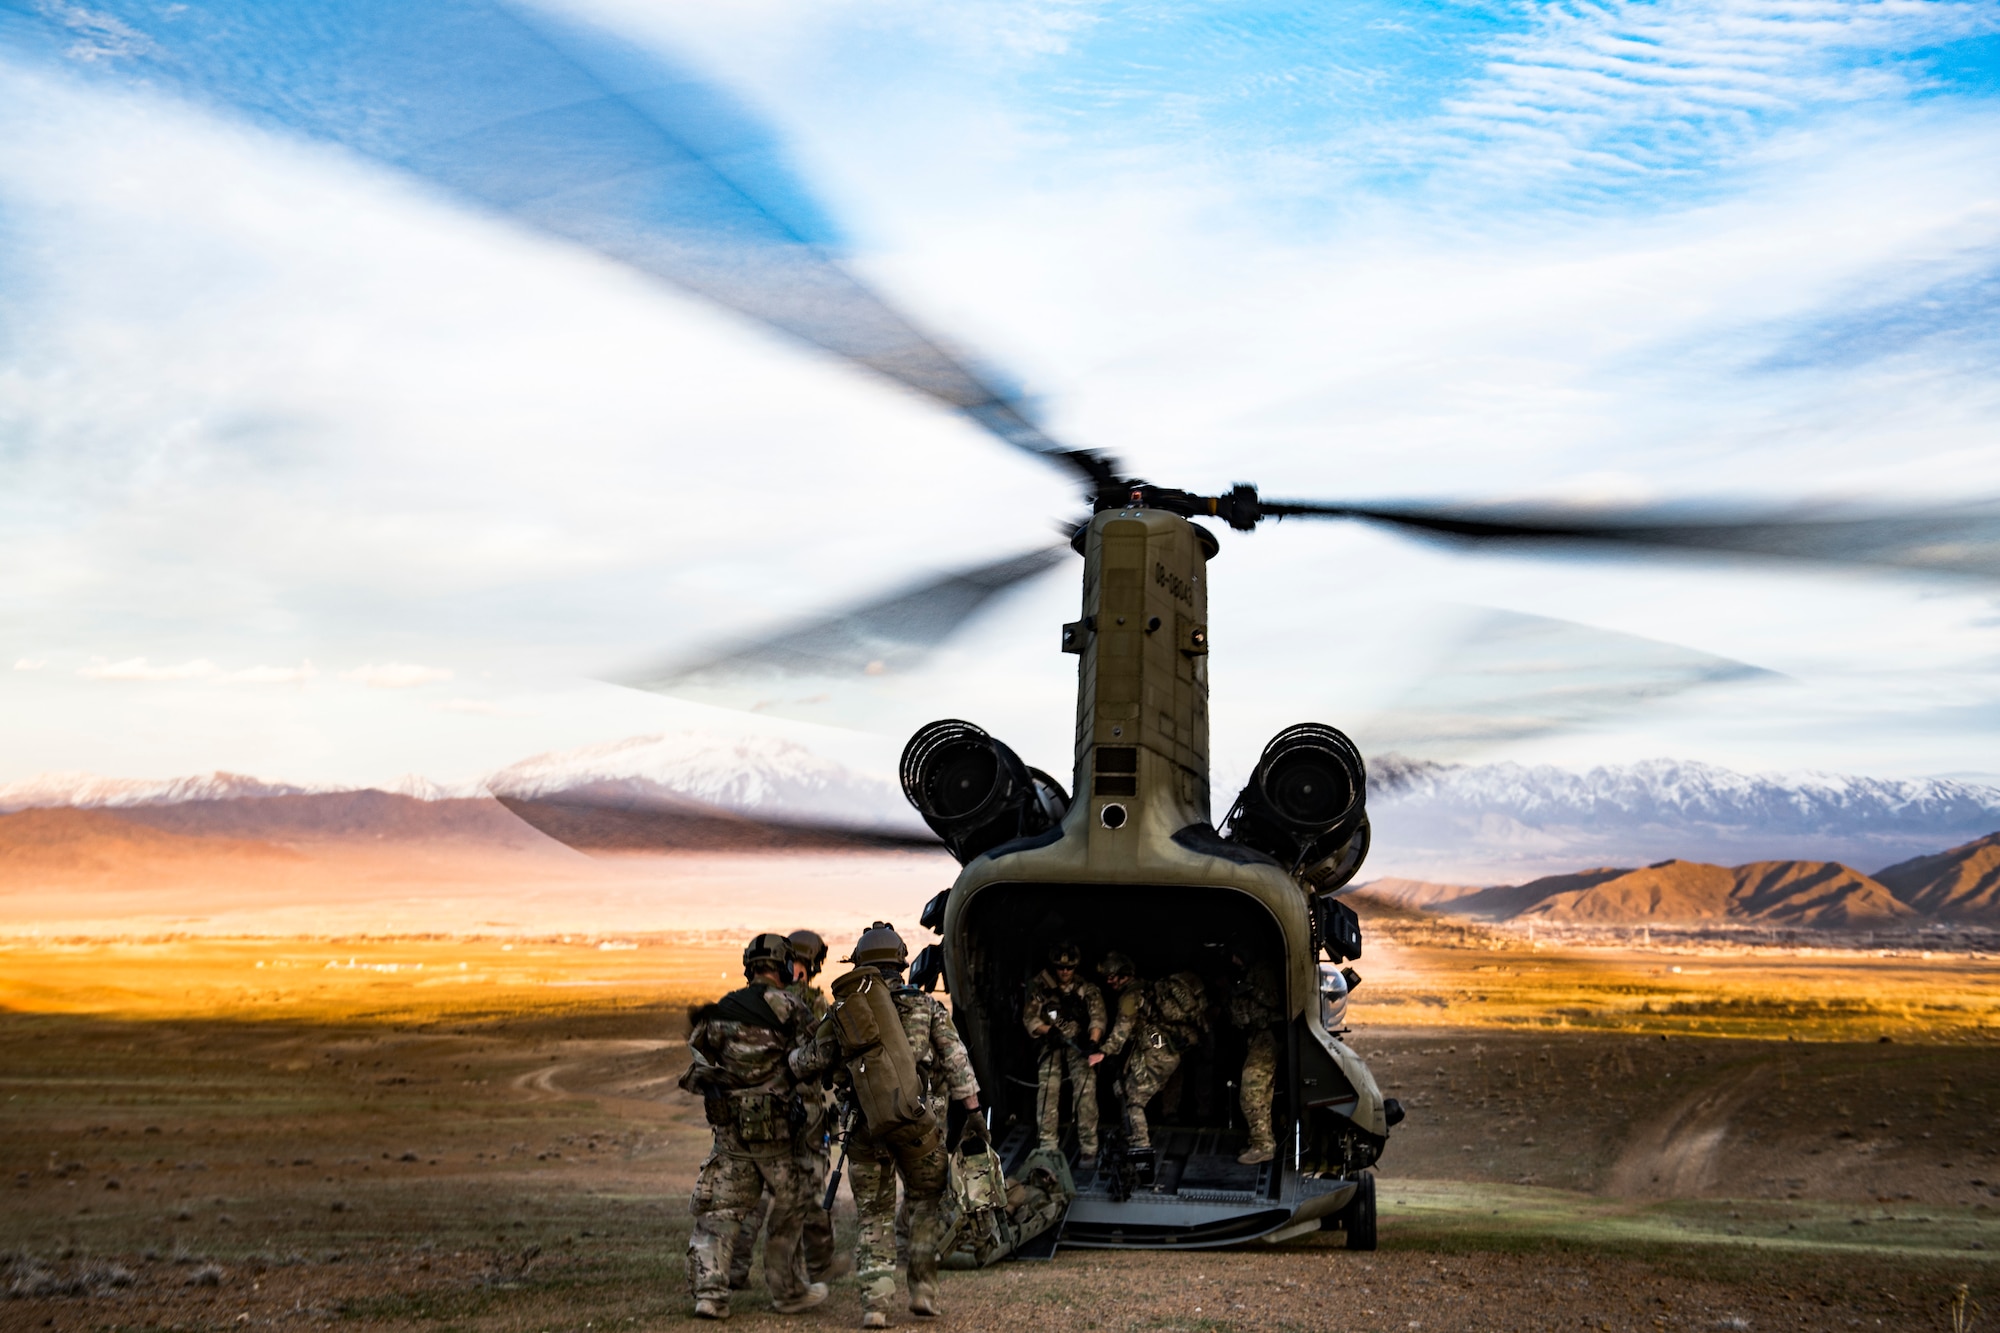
x=916, y=1154
x=811, y=1160
x=1056, y=1062
x=1260, y=1072
x=1145, y=1074
x=726, y=1192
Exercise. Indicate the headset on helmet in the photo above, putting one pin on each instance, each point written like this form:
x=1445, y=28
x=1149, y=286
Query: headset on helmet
x=770, y=950
x=809, y=949
x=880, y=946
x=1065, y=954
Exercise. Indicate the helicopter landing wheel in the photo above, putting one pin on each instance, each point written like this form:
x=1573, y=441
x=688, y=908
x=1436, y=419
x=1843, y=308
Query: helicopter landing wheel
x=1358, y=1218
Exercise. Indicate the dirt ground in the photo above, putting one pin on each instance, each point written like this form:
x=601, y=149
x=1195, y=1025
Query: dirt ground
x=414, y=1154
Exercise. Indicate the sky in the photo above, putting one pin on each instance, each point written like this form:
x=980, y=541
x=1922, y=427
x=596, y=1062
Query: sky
x=313, y=468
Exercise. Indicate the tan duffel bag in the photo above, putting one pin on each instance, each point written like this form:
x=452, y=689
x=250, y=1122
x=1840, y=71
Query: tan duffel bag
x=880, y=1064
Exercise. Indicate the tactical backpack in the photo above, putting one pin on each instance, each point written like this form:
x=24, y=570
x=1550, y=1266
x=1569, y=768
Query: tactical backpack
x=1180, y=1008
x=977, y=1197
x=880, y=1064
x=1179, y=999
x=990, y=1215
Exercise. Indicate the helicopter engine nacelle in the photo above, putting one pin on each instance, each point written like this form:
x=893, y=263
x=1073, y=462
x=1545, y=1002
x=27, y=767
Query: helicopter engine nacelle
x=1307, y=805
x=974, y=792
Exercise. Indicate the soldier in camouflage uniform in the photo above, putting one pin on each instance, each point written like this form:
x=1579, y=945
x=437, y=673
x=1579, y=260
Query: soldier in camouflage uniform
x=915, y=1153
x=741, y=1046
x=1158, y=1020
x=810, y=1152
x=1128, y=993
x=1255, y=1005
x=1066, y=1014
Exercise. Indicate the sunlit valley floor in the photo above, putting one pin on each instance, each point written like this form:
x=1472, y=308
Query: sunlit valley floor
x=483, y=1132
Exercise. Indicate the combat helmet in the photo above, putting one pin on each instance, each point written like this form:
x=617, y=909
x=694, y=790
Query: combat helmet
x=769, y=949
x=808, y=949
x=880, y=946
x=1116, y=964
x=1065, y=953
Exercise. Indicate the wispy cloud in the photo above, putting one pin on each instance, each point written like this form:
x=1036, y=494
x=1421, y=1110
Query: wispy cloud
x=395, y=675
x=138, y=668
x=288, y=397
x=30, y=663
x=95, y=35
x=270, y=675
x=1623, y=91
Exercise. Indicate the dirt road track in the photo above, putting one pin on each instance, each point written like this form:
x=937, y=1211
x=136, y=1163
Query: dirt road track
x=616, y=1071
x=1679, y=1155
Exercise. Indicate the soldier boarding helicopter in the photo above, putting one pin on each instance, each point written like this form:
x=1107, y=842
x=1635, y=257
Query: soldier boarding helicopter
x=580, y=135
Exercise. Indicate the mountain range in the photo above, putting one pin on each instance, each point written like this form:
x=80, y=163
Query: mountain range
x=1961, y=885
x=1493, y=823
x=229, y=854
x=1675, y=840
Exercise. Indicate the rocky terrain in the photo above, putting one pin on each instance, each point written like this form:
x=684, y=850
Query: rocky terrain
x=1961, y=885
x=527, y=1167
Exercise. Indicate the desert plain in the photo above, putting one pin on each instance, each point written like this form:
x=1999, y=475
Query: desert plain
x=467, y=1130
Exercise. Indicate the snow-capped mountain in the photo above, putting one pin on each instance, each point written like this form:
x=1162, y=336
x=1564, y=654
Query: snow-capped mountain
x=419, y=787
x=88, y=790
x=1505, y=822
x=1485, y=824
x=761, y=775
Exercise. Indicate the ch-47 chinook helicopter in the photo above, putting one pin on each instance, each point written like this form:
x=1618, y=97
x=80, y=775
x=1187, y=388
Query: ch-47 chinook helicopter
x=589, y=138
x=1135, y=863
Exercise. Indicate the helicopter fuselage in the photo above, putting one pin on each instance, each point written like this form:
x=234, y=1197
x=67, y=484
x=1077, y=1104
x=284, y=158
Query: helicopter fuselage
x=1135, y=865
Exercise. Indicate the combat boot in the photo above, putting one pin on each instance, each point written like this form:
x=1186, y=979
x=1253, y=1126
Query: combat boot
x=1256, y=1153
x=710, y=1308
x=923, y=1299
x=874, y=1319
x=812, y=1296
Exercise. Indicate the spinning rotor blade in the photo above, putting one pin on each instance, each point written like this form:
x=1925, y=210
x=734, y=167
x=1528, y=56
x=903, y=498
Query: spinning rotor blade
x=603, y=822
x=877, y=638
x=566, y=129
x=1959, y=539
x=1508, y=677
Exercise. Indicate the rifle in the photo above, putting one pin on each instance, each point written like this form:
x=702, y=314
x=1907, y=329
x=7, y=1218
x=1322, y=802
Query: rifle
x=846, y=1128
x=1123, y=1169
x=1058, y=1012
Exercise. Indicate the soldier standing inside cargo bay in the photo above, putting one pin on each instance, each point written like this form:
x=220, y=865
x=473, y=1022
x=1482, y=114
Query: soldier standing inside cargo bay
x=1159, y=1021
x=1254, y=1006
x=741, y=1046
x=914, y=1151
x=809, y=1146
x=1066, y=1014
